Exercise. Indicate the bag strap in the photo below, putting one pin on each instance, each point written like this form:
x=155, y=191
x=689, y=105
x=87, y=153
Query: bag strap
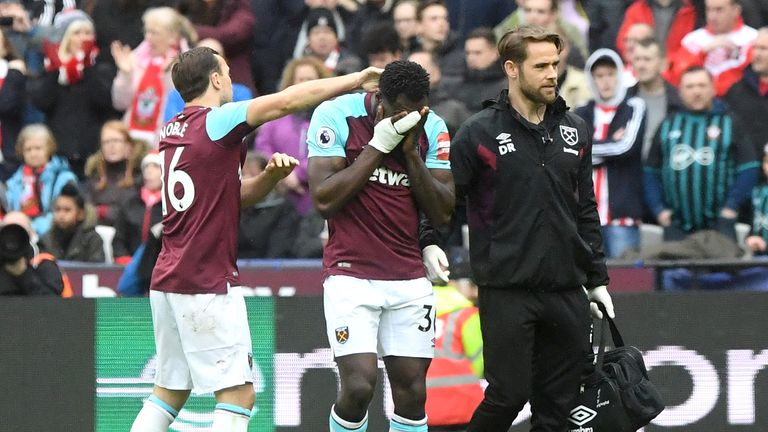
x=618, y=341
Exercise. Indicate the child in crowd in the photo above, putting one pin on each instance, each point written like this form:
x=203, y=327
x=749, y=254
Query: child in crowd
x=72, y=238
x=37, y=182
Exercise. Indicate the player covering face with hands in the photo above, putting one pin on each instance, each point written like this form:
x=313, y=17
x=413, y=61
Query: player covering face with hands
x=201, y=329
x=376, y=162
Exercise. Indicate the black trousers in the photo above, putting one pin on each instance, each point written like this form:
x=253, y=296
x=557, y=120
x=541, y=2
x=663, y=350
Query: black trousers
x=535, y=346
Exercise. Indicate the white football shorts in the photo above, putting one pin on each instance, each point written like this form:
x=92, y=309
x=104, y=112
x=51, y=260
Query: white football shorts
x=203, y=341
x=391, y=318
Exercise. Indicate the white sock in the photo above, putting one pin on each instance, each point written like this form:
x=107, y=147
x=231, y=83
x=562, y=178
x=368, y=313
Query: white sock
x=155, y=416
x=230, y=418
x=338, y=424
x=402, y=424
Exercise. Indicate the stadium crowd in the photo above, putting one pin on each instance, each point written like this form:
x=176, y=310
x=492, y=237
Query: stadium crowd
x=673, y=92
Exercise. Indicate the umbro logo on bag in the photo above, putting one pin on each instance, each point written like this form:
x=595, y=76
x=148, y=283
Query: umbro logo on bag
x=580, y=416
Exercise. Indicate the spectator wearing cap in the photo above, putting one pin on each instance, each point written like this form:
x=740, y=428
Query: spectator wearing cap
x=12, y=94
x=137, y=215
x=231, y=23
x=74, y=91
x=322, y=41
x=113, y=174
x=19, y=274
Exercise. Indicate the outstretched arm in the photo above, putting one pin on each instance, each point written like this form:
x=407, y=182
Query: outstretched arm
x=308, y=94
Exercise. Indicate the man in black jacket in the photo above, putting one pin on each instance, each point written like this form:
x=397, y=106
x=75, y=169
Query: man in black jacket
x=749, y=96
x=524, y=163
x=18, y=276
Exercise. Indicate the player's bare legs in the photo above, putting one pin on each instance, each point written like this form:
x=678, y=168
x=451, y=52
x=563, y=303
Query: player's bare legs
x=233, y=408
x=358, y=373
x=407, y=377
x=160, y=410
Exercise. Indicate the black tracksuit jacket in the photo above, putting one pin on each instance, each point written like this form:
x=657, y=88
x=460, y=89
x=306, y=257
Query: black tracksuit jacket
x=532, y=215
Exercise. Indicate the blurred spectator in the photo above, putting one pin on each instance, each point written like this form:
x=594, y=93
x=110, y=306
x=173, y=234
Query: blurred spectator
x=757, y=241
x=175, y=103
x=670, y=21
x=453, y=111
x=35, y=185
x=74, y=91
x=139, y=213
x=636, y=33
x=617, y=125
x=750, y=94
x=19, y=218
x=268, y=228
x=453, y=379
x=701, y=167
x=19, y=273
x=289, y=135
x=435, y=36
x=230, y=22
x=113, y=174
x=468, y=15
x=605, y=17
x=660, y=97
x=723, y=47
x=484, y=77
x=406, y=24
x=381, y=45
x=143, y=79
x=323, y=43
x=546, y=13
x=571, y=81
x=366, y=15
x=12, y=82
x=71, y=237
x=20, y=29
x=120, y=20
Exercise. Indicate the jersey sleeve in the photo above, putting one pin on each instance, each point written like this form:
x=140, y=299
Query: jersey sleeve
x=328, y=131
x=439, y=150
x=465, y=162
x=221, y=121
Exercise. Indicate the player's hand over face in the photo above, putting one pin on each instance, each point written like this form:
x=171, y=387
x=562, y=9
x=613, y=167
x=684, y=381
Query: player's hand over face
x=368, y=79
x=280, y=165
x=389, y=132
x=411, y=140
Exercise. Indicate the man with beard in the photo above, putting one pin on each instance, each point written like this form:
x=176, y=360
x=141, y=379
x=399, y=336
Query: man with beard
x=536, y=247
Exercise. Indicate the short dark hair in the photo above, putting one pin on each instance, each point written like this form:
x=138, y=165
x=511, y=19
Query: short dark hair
x=428, y=3
x=694, y=69
x=191, y=71
x=649, y=42
x=483, y=33
x=69, y=190
x=404, y=77
x=513, y=46
x=380, y=38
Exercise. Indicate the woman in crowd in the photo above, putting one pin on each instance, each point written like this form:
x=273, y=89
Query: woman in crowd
x=74, y=91
x=113, y=172
x=143, y=79
x=33, y=188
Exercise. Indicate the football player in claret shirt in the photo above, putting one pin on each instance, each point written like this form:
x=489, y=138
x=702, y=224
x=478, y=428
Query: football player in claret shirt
x=376, y=161
x=201, y=328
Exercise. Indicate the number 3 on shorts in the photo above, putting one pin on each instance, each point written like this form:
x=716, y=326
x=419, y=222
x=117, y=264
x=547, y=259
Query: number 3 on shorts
x=428, y=317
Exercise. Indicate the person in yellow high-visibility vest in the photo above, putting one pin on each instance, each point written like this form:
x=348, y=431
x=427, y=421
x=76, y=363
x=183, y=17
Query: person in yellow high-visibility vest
x=454, y=386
